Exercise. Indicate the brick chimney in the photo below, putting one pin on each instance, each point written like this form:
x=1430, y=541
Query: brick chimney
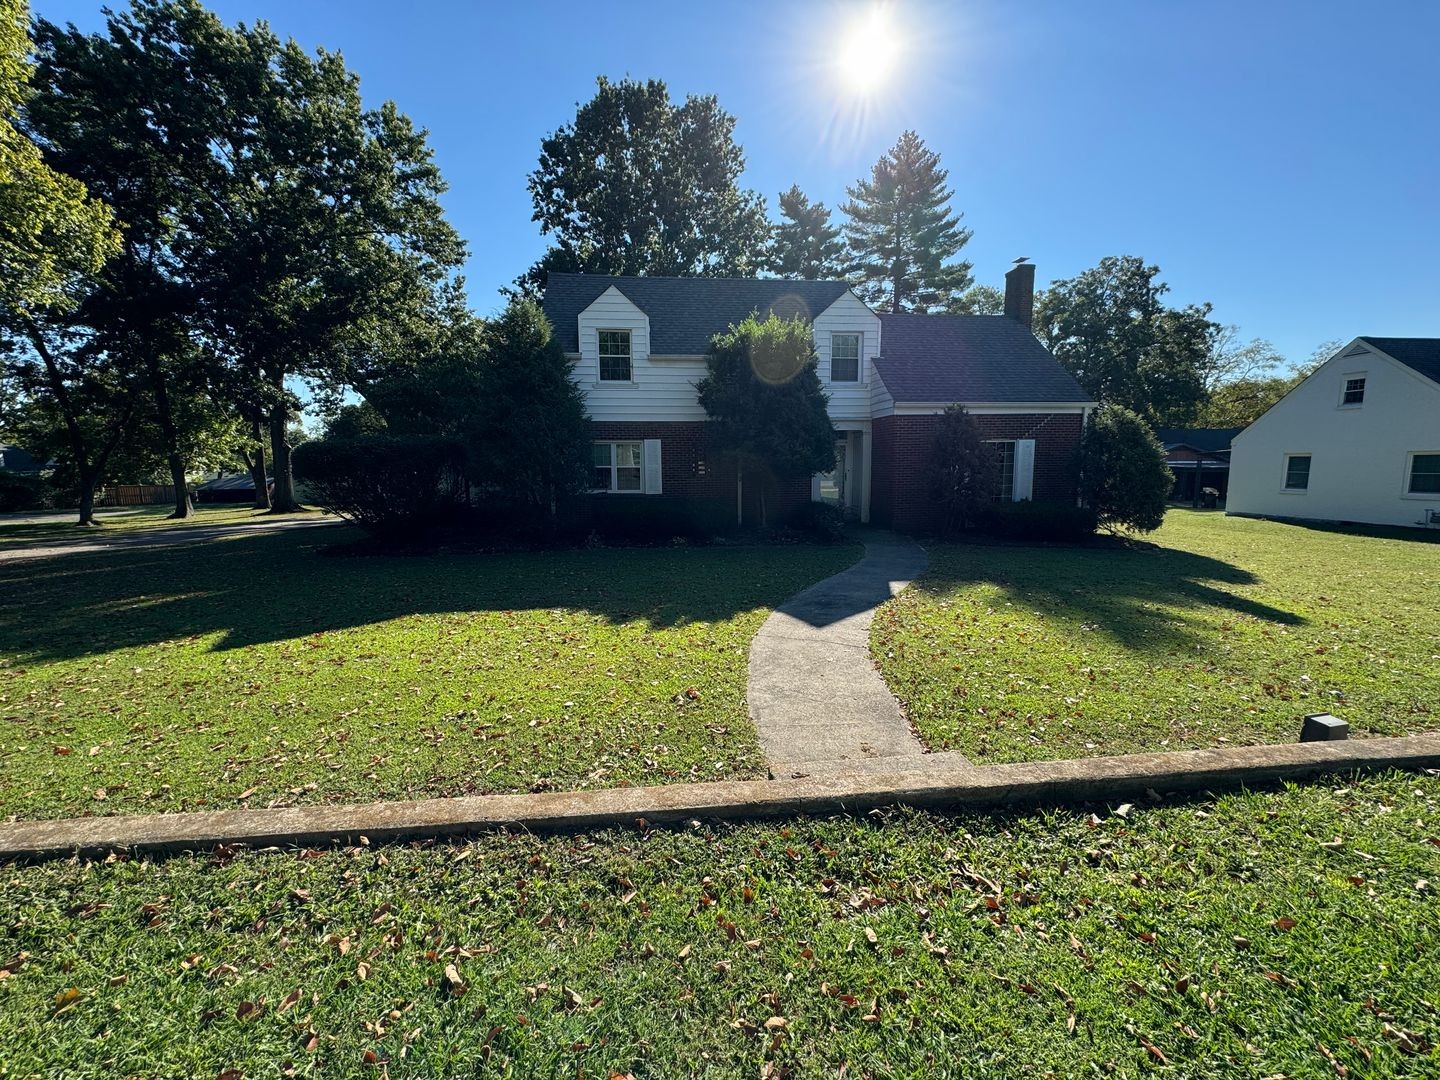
x=1020, y=293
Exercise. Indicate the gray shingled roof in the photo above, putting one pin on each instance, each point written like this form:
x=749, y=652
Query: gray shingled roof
x=976, y=358
x=1419, y=353
x=685, y=313
x=1206, y=440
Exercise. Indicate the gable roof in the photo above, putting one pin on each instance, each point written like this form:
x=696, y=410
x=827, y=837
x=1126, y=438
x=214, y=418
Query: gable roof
x=976, y=358
x=685, y=312
x=1418, y=353
x=1205, y=440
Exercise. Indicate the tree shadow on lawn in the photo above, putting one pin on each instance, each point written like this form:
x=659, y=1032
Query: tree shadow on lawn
x=278, y=585
x=1144, y=598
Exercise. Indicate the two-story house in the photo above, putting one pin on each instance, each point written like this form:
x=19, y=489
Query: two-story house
x=638, y=346
x=1358, y=440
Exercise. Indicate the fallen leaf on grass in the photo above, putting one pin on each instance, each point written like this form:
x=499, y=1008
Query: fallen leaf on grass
x=453, y=980
x=291, y=999
x=776, y=1023
x=1284, y=923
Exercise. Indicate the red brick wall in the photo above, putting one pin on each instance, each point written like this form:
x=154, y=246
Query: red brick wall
x=691, y=467
x=899, y=497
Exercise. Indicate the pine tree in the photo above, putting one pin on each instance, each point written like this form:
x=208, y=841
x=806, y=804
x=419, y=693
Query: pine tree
x=902, y=232
x=805, y=244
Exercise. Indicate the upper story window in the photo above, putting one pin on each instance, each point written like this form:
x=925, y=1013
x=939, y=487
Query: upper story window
x=1297, y=472
x=1424, y=474
x=1354, y=391
x=844, y=358
x=614, y=355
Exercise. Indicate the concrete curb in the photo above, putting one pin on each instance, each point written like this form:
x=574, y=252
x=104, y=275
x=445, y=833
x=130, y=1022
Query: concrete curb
x=940, y=784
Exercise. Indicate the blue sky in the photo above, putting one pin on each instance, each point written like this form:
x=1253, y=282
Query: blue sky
x=1281, y=160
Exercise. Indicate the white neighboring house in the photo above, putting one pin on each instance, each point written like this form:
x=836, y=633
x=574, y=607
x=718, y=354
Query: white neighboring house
x=1359, y=440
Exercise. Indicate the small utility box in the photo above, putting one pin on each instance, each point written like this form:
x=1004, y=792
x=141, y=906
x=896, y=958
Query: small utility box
x=1322, y=727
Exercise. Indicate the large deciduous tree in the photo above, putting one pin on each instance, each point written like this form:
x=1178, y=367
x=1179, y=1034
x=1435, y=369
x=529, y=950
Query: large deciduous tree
x=51, y=230
x=902, y=234
x=762, y=390
x=637, y=184
x=805, y=245
x=1110, y=327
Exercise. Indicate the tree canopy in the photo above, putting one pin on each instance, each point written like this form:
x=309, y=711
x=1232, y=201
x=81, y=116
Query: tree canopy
x=902, y=234
x=1111, y=329
x=51, y=229
x=637, y=184
x=805, y=244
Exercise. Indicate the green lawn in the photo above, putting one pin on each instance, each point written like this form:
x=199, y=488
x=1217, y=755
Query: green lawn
x=1291, y=934
x=256, y=670
x=1229, y=632
x=15, y=529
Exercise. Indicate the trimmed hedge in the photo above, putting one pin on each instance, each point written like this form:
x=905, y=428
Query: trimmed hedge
x=18, y=492
x=395, y=487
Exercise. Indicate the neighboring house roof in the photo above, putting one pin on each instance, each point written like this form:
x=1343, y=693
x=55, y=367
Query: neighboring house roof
x=17, y=460
x=235, y=482
x=977, y=358
x=1205, y=440
x=1421, y=354
x=685, y=313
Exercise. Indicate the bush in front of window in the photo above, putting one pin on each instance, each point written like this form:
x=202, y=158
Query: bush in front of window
x=1123, y=475
x=963, y=471
x=19, y=492
x=395, y=487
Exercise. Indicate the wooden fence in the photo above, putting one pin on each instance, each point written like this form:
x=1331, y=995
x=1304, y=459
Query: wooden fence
x=137, y=495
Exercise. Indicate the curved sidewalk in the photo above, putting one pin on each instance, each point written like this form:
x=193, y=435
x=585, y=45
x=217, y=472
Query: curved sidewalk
x=815, y=696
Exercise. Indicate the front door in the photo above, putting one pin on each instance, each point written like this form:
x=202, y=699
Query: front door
x=833, y=485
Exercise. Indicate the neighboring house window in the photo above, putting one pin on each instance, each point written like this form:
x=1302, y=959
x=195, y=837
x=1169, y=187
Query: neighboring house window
x=614, y=355
x=1297, y=472
x=1005, y=485
x=1424, y=474
x=844, y=357
x=618, y=467
x=1354, y=390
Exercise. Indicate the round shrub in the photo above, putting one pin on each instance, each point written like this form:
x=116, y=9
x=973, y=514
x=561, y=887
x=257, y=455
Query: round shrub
x=1123, y=475
x=395, y=487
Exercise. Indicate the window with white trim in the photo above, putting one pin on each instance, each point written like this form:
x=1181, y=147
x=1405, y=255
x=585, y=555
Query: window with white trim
x=614, y=355
x=845, y=358
x=1353, y=391
x=618, y=467
x=1005, y=483
x=1424, y=474
x=1297, y=472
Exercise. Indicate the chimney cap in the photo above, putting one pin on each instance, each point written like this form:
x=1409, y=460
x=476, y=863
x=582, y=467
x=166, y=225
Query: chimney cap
x=1022, y=259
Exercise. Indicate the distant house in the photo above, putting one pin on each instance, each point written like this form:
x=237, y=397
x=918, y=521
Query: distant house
x=14, y=459
x=1200, y=460
x=236, y=488
x=1358, y=440
x=638, y=347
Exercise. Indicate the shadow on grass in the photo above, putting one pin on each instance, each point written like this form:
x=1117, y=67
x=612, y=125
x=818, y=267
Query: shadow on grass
x=1142, y=597
x=273, y=585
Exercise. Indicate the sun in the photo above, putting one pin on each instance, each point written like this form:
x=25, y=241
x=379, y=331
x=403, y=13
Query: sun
x=868, y=52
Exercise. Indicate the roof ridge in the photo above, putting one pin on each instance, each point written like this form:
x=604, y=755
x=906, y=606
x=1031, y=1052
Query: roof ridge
x=701, y=277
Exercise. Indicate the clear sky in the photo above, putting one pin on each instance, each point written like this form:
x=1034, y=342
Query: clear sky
x=1281, y=160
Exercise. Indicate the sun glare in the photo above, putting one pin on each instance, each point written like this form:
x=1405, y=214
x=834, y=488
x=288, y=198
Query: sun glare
x=868, y=52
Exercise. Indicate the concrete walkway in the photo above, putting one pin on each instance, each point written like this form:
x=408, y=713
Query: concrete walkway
x=815, y=696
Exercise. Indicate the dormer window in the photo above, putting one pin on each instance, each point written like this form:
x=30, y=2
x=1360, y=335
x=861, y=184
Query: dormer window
x=844, y=358
x=1354, y=392
x=615, y=356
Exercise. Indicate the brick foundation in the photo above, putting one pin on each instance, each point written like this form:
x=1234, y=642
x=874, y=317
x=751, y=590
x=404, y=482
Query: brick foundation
x=899, y=496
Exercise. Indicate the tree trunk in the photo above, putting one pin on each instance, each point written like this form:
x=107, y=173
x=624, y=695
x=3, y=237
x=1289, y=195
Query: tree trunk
x=256, y=461
x=87, y=498
x=183, y=506
x=283, y=501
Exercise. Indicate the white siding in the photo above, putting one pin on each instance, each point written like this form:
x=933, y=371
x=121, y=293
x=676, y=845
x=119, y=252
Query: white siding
x=1358, y=455
x=848, y=314
x=659, y=389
